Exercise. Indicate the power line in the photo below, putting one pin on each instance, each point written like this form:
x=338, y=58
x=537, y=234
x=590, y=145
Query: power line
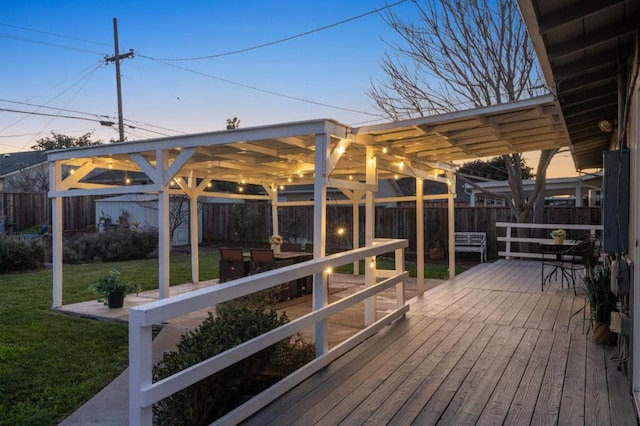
x=54, y=34
x=271, y=43
x=270, y=92
x=53, y=108
x=48, y=115
x=87, y=75
x=61, y=46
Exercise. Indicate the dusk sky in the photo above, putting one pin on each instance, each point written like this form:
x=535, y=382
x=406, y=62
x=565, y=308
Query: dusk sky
x=53, y=56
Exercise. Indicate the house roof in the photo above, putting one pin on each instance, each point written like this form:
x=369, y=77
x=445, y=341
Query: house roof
x=553, y=186
x=582, y=46
x=285, y=153
x=16, y=161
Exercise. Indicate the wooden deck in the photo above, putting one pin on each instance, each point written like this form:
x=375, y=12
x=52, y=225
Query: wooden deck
x=485, y=348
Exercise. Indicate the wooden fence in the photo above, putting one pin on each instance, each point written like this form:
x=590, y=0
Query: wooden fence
x=250, y=222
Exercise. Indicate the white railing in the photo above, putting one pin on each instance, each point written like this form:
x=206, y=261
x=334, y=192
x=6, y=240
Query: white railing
x=143, y=393
x=594, y=231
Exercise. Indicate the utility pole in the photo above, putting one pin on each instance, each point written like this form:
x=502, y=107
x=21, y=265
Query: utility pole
x=116, y=58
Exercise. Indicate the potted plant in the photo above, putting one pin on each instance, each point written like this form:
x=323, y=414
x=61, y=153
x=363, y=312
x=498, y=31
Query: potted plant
x=601, y=302
x=105, y=218
x=113, y=289
x=276, y=241
x=558, y=236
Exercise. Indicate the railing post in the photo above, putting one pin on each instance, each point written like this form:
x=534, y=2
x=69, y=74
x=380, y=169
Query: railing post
x=140, y=369
x=508, y=242
x=400, y=299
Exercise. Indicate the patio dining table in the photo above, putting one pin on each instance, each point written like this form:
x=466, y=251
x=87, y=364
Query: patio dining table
x=552, y=255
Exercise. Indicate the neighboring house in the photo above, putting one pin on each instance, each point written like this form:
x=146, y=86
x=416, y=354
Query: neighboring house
x=143, y=210
x=558, y=191
x=24, y=172
x=387, y=188
x=408, y=187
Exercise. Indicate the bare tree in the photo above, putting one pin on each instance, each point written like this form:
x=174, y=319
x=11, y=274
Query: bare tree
x=33, y=179
x=460, y=54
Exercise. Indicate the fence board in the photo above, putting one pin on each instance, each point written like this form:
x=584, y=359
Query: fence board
x=250, y=222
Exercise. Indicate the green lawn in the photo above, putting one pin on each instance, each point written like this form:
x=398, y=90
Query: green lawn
x=51, y=363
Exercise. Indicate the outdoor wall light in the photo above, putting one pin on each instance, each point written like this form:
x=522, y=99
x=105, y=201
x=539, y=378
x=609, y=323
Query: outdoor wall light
x=605, y=125
x=340, y=231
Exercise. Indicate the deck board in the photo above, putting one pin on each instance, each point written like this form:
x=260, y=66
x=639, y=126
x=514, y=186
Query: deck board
x=488, y=347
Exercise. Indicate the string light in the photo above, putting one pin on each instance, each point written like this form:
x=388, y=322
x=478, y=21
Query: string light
x=384, y=150
x=289, y=180
x=340, y=231
x=329, y=270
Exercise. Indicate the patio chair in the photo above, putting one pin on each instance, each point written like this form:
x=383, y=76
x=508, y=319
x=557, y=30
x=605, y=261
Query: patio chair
x=232, y=264
x=290, y=247
x=263, y=260
x=583, y=256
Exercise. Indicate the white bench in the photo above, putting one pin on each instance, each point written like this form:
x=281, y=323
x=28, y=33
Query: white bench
x=471, y=242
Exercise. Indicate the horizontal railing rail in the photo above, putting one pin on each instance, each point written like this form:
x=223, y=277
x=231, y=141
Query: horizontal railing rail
x=594, y=231
x=143, y=393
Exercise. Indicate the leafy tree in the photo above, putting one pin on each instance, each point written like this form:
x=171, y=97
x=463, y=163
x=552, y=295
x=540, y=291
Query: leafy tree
x=60, y=141
x=233, y=123
x=462, y=54
x=494, y=169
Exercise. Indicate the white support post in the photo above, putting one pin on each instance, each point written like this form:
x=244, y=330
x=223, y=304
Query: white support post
x=140, y=369
x=420, y=235
x=451, y=186
x=579, y=195
x=369, y=225
x=194, y=225
x=274, y=209
x=508, y=247
x=356, y=195
x=164, y=243
x=55, y=176
x=195, y=254
x=320, y=280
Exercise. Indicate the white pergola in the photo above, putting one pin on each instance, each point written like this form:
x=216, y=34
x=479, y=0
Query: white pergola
x=323, y=152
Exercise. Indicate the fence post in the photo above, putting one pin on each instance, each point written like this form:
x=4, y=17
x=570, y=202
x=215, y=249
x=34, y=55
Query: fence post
x=401, y=285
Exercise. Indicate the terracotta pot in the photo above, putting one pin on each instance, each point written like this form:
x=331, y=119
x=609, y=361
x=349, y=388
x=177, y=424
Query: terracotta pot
x=275, y=248
x=602, y=334
x=558, y=240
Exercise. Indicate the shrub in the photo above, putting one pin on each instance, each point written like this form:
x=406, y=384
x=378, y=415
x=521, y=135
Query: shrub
x=111, y=246
x=214, y=396
x=20, y=255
